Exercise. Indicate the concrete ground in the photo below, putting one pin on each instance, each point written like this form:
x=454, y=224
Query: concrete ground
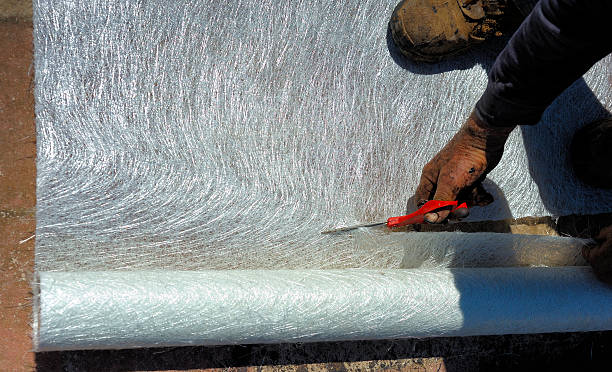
x=583, y=351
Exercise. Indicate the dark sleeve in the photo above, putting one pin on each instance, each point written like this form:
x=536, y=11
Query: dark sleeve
x=555, y=45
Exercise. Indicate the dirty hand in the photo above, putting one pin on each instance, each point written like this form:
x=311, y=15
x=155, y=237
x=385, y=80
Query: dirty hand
x=456, y=172
x=600, y=255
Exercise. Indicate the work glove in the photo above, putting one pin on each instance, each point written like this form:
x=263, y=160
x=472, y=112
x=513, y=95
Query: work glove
x=457, y=171
x=600, y=255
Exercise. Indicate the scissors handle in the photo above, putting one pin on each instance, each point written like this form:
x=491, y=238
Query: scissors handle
x=429, y=207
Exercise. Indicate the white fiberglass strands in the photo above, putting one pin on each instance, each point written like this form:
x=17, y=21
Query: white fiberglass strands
x=205, y=134
x=464, y=286
x=446, y=249
x=109, y=310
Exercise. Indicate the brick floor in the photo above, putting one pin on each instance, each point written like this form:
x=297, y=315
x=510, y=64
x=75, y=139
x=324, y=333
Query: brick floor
x=17, y=194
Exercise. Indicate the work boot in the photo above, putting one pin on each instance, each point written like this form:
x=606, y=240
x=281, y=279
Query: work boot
x=591, y=153
x=431, y=30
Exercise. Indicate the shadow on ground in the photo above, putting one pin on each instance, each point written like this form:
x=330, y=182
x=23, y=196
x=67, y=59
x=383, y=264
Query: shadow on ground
x=549, y=165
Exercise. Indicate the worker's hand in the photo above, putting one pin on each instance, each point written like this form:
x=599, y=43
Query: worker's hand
x=600, y=255
x=456, y=172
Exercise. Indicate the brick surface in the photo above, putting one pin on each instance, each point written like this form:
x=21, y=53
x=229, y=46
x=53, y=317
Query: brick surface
x=17, y=195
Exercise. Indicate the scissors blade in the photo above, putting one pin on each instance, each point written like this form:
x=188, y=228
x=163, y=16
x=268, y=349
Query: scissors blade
x=348, y=228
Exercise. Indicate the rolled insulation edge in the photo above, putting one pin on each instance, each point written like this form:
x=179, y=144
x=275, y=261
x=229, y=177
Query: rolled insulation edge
x=132, y=309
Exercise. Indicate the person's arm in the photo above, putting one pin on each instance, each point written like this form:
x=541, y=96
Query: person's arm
x=554, y=46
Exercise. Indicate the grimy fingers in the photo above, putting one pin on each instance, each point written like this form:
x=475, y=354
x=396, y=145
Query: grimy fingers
x=426, y=188
x=450, y=183
x=605, y=233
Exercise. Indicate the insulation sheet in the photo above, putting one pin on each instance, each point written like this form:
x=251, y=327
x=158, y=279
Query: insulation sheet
x=191, y=152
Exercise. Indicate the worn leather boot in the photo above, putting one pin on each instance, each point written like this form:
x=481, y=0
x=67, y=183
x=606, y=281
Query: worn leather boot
x=431, y=30
x=591, y=153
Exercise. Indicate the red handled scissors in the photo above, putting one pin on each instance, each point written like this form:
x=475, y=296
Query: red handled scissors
x=432, y=206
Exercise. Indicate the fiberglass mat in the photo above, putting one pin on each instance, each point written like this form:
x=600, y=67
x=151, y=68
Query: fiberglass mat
x=207, y=134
